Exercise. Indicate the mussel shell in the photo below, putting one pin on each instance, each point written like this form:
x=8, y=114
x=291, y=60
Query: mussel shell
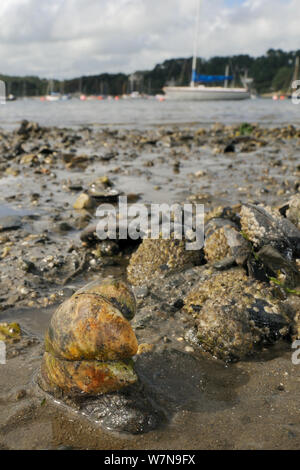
x=89, y=327
x=90, y=377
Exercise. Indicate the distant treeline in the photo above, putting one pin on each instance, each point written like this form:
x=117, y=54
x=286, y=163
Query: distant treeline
x=271, y=72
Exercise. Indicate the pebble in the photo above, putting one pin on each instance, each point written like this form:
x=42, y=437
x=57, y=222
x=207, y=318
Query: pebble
x=84, y=201
x=141, y=291
x=189, y=349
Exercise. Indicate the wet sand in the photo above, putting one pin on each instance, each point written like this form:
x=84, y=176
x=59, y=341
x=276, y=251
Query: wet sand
x=209, y=405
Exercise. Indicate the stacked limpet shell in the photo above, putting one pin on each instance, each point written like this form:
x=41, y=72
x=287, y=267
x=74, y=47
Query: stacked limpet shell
x=89, y=343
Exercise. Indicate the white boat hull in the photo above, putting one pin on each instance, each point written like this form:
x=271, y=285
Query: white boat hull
x=202, y=93
x=52, y=98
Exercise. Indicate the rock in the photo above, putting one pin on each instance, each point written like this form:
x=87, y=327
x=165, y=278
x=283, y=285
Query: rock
x=63, y=227
x=105, y=195
x=263, y=227
x=28, y=159
x=293, y=212
x=73, y=186
x=12, y=171
x=89, y=235
x=223, y=240
x=230, y=148
x=83, y=202
x=72, y=160
x=106, y=157
x=234, y=315
x=128, y=412
x=27, y=266
x=145, y=348
x=27, y=128
x=10, y=222
x=140, y=292
x=200, y=173
x=156, y=258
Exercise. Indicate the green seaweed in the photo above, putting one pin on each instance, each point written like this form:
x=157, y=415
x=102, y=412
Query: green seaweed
x=246, y=128
x=287, y=289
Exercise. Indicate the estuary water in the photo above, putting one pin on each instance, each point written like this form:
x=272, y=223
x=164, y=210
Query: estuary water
x=139, y=113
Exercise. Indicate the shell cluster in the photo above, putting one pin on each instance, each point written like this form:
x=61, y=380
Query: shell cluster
x=89, y=343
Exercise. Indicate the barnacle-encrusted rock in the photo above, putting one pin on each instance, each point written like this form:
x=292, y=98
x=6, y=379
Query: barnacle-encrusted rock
x=89, y=341
x=265, y=227
x=216, y=246
x=229, y=213
x=234, y=313
x=223, y=240
x=155, y=258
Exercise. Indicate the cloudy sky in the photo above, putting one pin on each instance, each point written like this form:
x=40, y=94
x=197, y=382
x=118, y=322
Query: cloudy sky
x=67, y=38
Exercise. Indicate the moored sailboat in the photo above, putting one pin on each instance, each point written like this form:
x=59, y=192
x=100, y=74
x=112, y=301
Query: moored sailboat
x=198, y=91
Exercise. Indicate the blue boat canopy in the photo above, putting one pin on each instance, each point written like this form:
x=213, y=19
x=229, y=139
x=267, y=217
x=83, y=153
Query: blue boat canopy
x=210, y=78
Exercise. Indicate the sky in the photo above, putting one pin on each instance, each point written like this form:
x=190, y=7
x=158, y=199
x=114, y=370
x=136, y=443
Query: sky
x=69, y=38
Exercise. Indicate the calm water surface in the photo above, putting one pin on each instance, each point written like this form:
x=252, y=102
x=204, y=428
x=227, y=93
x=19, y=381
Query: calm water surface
x=141, y=113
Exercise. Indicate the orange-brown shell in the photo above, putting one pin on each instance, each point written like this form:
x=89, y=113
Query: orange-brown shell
x=117, y=292
x=88, y=327
x=91, y=377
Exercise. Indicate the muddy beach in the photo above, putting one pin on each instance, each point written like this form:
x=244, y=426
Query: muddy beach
x=203, y=394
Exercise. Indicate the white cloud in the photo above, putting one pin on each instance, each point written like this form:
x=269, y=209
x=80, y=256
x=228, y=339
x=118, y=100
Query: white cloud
x=66, y=38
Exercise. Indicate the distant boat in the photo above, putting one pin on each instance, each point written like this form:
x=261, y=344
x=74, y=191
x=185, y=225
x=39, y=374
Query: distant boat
x=53, y=96
x=66, y=97
x=197, y=91
x=204, y=93
x=57, y=97
x=11, y=97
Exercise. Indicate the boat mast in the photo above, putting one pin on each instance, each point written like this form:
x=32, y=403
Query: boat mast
x=297, y=66
x=295, y=74
x=226, y=75
x=194, y=64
